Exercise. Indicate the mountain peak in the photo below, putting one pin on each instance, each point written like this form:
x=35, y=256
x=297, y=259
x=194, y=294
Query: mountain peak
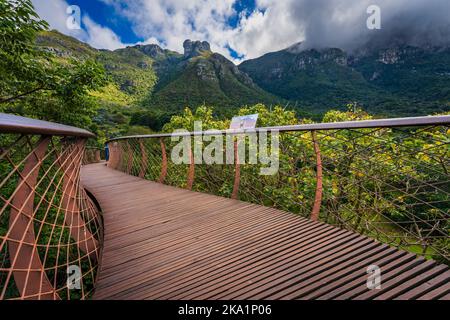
x=152, y=50
x=296, y=47
x=195, y=48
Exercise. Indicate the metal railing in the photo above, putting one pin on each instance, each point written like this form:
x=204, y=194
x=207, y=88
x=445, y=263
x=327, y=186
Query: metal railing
x=387, y=179
x=50, y=230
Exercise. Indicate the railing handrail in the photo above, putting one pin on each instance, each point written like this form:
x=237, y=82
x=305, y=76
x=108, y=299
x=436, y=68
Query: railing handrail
x=364, y=124
x=388, y=181
x=16, y=124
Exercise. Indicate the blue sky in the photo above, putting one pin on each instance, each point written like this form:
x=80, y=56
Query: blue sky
x=100, y=12
x=112, y=24
x=246, y=29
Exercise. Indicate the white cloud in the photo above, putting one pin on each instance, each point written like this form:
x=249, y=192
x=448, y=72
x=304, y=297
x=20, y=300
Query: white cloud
x=173, y=21
x=270, y=28
x=277, y=24
x=274, y=25
x=151, y=40
x=54, y=12
x=101, y=37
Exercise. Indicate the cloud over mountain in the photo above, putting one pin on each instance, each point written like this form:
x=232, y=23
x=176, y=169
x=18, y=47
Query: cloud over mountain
x=342, y=23
x=100, y=37
x=266, y=25
x=275, y=24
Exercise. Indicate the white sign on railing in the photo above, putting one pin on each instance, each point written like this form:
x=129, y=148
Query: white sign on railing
x=244, y=122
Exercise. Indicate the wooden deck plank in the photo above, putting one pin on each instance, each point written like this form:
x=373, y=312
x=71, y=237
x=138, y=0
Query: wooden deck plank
x=212, y=270
x=163, y=242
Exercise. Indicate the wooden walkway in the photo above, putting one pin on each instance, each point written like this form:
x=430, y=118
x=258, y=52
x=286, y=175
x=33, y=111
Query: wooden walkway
x=163, y=242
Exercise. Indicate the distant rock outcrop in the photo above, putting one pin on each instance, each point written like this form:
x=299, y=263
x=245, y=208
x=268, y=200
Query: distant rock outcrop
x=398, y=80
x=195, y=48
x=152, y=50
x=384, y=81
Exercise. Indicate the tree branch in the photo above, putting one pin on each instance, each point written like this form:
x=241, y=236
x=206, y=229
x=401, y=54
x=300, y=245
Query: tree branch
x=6, y=100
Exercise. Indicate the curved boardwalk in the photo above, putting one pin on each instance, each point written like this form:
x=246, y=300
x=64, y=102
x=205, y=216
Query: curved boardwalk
x=163, y=242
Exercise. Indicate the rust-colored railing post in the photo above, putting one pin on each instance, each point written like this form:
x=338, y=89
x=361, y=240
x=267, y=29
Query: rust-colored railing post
x=144, y=159
x=319, y=179
x=114, y=155
x=237, y=172
x=97, y=156
x=163, y=174
x=119, y=157
x=28, y=271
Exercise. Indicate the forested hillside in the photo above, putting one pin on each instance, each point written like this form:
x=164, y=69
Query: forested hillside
x=147, y=84
x=396, y=81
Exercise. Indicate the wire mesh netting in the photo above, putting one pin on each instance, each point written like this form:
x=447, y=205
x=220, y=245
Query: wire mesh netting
x=391, y=184
x=50, y=230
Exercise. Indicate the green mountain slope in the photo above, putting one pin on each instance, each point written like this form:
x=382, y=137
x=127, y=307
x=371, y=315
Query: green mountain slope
x=130, y=70
x=65, y=46
x=202, y=77
x=312, y=78
x=418, y=77
x=399, y=81
x=162, y=80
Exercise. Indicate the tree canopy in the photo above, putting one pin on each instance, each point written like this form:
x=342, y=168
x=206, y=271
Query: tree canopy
x=33, y=82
